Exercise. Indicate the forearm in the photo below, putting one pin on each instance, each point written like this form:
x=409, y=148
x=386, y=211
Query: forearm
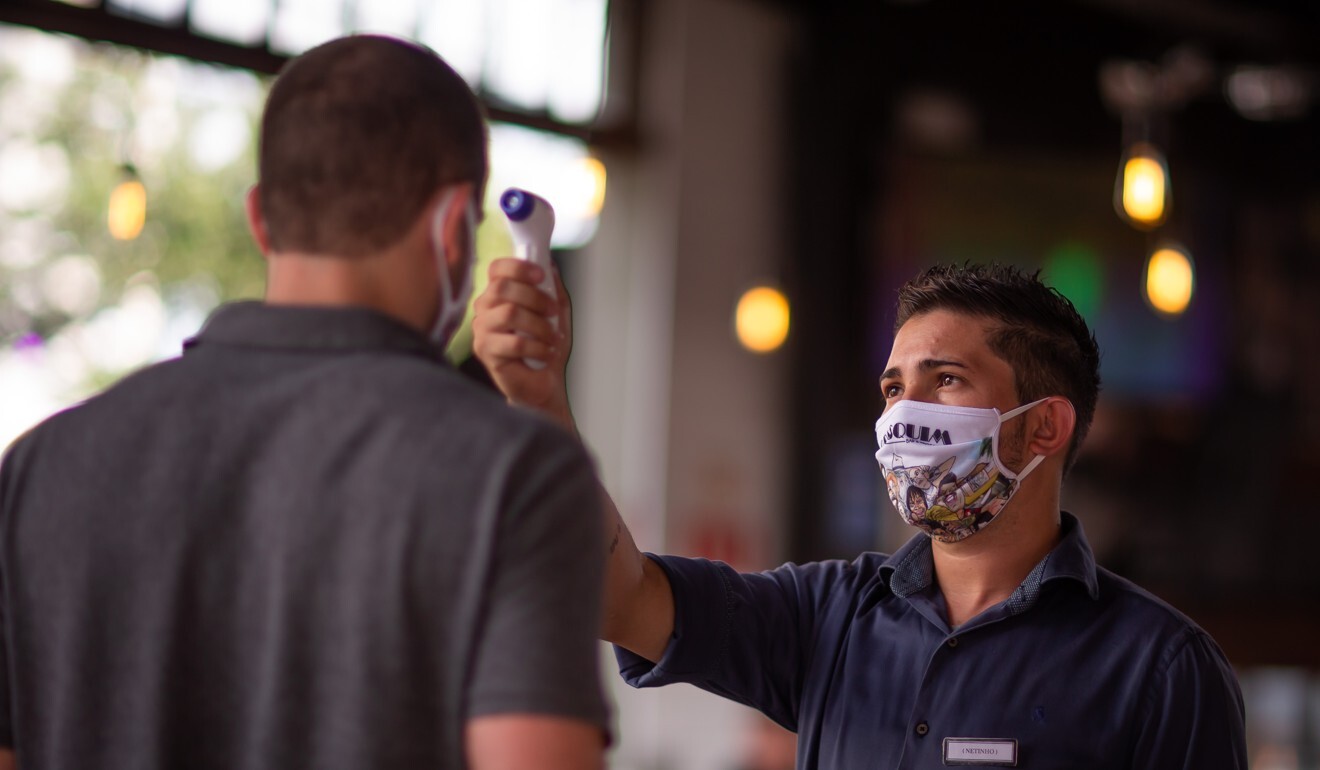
x=527, y=741
x=513, y=324
x=639, y=603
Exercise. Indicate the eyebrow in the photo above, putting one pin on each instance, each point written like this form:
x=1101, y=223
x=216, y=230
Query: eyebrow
x=925, y=365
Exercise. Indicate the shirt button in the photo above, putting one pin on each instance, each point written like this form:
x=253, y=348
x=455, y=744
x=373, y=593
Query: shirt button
x=922, y=728
x=953, y=642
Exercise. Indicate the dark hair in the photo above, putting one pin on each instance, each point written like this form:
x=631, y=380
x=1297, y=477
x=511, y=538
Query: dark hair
x=1040, y=334
x=357, y=135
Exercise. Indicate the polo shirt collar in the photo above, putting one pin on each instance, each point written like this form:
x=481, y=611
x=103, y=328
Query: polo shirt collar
x=254, y=324
x=911, y=569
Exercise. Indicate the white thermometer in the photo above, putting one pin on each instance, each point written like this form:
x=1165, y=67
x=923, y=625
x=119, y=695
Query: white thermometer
x=531, y=221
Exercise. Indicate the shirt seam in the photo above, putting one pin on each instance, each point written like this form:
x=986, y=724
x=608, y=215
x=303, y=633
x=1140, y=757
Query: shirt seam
x=1156, y=683
x=719, y=662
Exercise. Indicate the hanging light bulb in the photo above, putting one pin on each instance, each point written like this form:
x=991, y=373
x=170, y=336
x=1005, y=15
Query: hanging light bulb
x=594, y=171
x=761, y=319
x=1141, y=194
x=128, y=206
x=1169, y=280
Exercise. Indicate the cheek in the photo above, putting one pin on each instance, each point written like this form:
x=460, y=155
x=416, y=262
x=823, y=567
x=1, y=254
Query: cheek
x=1011, y=445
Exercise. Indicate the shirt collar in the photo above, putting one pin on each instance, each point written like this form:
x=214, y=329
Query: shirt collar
x=255, y=324
x=911, y=568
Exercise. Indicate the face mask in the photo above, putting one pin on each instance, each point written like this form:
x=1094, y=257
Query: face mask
x=941, y=466
x=452, y=306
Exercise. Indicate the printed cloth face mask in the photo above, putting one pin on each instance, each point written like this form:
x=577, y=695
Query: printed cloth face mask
x=942, y=468
x=452, y=306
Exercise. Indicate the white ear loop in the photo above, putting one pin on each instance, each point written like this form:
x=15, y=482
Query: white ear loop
x=450, y=312
x=1037, y=460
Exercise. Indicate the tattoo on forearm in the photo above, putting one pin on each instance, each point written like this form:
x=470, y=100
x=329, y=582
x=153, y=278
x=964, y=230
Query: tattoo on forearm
x=618, y=528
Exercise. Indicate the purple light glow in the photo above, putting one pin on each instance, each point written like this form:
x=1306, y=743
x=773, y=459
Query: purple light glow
x=29, y=341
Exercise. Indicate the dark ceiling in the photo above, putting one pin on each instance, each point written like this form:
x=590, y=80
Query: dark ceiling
x=1266, y=29
x=1029, y=71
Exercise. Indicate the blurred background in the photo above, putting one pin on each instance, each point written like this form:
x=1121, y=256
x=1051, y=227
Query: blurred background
x=741, y=186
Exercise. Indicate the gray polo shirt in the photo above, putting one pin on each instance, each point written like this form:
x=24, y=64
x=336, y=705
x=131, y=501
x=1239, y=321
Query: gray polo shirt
x=307, y=542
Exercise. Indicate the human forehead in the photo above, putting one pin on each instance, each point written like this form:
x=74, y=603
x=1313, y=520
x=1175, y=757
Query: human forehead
x=944, y=335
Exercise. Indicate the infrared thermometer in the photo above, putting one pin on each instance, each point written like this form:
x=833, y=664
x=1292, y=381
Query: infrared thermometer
x=531, y=221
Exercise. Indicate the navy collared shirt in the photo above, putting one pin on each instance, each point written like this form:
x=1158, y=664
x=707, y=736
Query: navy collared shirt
x=1079, y=668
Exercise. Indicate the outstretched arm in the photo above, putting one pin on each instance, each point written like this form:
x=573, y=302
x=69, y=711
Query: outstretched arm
x=512, y=324
x=526, y=741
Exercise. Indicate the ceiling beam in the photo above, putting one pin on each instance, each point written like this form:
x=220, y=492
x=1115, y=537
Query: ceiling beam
x=99, y=25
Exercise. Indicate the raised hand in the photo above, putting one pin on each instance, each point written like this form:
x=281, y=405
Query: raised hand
x=512, y=323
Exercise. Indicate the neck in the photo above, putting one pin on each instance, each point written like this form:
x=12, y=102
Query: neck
x=986, y=568
x=374, y=281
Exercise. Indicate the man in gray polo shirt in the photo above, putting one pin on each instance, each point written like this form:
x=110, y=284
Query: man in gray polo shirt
x=308, y=542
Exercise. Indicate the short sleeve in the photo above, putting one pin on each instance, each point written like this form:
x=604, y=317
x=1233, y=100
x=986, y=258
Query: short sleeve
x=537, y=650
x=1195, y=716
x=746, y=636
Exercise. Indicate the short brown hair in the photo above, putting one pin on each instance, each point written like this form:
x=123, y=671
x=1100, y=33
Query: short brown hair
x=357, y=135
x=1040, y=334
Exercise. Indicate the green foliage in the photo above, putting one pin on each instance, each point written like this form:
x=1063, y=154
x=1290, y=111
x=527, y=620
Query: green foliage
x=195, y=234
x=124, y=108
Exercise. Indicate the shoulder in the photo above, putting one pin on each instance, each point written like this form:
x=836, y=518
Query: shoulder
x=868, y=563
x=1131, y=599
x=1153, y=623
x=424, y=386
x=430, y=406
x=1189, y=700
x=805, y=584
x=76, y=421
x=832, y=573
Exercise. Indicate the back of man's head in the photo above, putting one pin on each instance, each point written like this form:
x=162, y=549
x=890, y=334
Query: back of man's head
x=358, y=134
x=1036, y=330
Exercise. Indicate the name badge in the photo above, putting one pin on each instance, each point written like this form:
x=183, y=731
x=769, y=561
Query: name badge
x=1002, y=752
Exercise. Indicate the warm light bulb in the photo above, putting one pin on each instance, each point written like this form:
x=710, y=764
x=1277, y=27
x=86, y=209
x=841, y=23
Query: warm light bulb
x=1143, y=187
x=1169, y=280
x=595, y=171
x=761, y=319
x=128, y=209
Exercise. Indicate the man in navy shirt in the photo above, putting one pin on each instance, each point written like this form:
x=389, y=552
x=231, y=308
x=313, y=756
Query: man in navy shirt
x=992, y=638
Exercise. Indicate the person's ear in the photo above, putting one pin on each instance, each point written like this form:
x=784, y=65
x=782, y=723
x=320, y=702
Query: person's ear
x=1052, y=426
x=257, y=222
x=454, y=235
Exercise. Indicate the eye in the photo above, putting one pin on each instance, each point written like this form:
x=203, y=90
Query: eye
x=891, y=390
x=946, y=379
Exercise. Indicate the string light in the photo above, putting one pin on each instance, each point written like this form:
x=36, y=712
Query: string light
x=1141, y=194
x=128, y=207
x=592, y=169
x=1169, y=280
x=761, y=319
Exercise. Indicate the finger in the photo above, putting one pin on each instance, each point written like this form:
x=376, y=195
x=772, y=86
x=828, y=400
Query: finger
x=565, y=305
x=522, y=294
x=511, y=319
x=498, y=349
x=506, y=291
x=515, y=269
